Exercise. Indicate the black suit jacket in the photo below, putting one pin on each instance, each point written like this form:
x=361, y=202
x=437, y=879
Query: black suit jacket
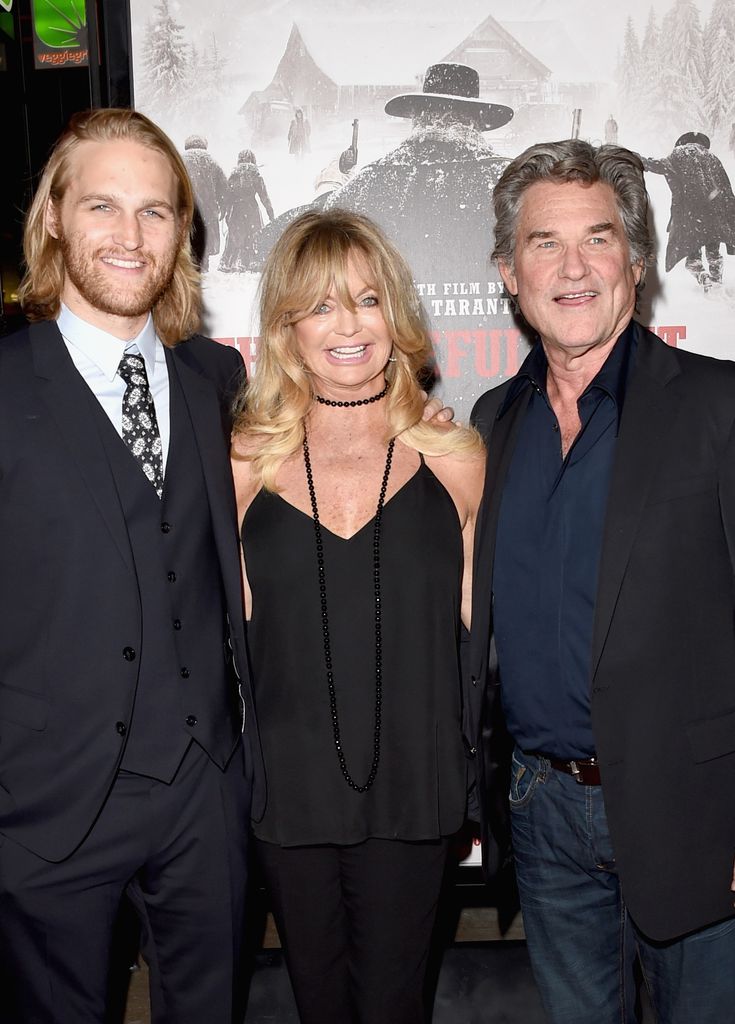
x=663, y=654
x=69, y=601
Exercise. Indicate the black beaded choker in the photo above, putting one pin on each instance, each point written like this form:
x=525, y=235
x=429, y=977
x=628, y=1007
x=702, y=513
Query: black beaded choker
x=351, y=405
x=325, y=619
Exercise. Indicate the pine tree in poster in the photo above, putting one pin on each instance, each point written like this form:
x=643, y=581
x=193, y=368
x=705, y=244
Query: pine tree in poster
x=721, y=19
x=166, y=61
x=629, y=74
x=680, y=91
x=719, y=45
x=650, y=73
x=205, y=82
x=212, y=71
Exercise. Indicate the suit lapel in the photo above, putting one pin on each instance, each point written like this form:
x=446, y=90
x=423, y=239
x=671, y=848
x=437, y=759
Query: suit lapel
x=203, y=404
x=500, y=443
x=69, y=402
x=647, y=417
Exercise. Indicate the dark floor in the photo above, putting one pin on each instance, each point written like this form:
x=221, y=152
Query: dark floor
x=489, y=983
x=478, y=984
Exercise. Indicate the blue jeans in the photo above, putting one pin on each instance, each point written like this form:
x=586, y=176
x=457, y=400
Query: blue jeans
x=581, y=940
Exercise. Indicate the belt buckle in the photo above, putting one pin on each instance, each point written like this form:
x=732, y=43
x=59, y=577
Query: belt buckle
x=576, y=773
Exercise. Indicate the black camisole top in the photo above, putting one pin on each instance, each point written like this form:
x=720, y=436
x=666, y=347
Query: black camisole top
x=420, y=789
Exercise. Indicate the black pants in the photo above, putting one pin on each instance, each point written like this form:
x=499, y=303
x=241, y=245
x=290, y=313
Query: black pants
x=355, y=923
x=180, y=850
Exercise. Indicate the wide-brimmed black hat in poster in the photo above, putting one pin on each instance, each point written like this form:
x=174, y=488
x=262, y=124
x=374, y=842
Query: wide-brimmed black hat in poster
x=409, y=111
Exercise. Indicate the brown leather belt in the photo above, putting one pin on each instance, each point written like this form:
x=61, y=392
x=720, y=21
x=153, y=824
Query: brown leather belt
x=585, y=771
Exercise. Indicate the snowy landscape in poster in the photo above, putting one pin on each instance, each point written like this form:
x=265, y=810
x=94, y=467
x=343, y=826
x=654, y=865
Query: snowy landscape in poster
x=269, y=94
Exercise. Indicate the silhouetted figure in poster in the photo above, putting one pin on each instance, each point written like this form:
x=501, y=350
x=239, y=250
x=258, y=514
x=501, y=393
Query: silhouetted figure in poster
x=611, y=131
x=210, y=188
x=433, y=194
x=242, y=212
x=702, y=208
x=337, y=172
x=299, y=134
x=330, y=178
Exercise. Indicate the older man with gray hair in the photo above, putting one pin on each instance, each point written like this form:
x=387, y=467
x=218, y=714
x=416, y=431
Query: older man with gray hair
x=603, y=609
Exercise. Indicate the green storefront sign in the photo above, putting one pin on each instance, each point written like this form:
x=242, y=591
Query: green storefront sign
x=6, y=23
x=60, y=33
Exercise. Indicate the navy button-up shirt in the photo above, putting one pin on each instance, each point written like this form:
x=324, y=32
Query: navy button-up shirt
x=547, y=556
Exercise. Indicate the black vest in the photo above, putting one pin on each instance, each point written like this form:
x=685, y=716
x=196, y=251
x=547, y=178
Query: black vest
x=182, y=672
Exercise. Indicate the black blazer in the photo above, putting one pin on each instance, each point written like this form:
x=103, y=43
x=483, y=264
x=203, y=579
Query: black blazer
x=69, y=600
x=663, y=653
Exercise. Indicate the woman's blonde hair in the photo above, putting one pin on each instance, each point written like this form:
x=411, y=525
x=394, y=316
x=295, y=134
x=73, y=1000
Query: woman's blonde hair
x=310, y=260
x=177, y=312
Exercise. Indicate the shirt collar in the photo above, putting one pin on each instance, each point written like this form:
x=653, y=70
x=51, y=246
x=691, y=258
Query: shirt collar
x=105, y=350
x=612, y=377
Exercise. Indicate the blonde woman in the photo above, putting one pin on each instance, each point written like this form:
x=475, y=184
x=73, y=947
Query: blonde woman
x=357, y=522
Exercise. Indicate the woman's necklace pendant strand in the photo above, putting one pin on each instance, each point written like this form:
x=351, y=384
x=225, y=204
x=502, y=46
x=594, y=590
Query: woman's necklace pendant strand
x=356, y=402
x=378, y=625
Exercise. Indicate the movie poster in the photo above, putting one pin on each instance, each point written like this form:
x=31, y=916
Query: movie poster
x=409, y=111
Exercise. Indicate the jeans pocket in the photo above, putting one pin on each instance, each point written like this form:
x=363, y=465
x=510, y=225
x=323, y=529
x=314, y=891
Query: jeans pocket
x=523, y=782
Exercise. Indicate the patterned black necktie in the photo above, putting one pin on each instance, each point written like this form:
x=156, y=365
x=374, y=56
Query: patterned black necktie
x=139, y=423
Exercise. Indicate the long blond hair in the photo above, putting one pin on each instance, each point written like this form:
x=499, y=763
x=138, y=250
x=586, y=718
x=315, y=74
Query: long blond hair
x=308, y=261
x=177, y=312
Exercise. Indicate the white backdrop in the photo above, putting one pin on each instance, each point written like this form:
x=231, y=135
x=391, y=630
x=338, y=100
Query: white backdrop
x=234, y=72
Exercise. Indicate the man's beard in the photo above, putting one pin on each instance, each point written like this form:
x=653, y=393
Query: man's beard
x=93, y=284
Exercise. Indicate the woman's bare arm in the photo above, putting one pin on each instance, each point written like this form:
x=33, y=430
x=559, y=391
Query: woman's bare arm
x=464, y=477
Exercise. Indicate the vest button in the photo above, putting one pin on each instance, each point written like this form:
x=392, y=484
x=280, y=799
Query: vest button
x=191, y=721
x=121, y=728
x=171, y=577
x=128, y=654
x=165, y=527
x=177, y=623
x=184, y=672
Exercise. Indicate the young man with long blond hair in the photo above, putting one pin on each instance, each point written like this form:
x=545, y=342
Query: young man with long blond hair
x=122, y=764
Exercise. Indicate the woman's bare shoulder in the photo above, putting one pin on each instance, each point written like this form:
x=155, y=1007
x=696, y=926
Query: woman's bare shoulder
x=463, y=475
x=463, y=464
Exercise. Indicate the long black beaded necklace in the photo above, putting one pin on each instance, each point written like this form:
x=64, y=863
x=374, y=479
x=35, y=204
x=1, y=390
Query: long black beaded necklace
x=325, y=623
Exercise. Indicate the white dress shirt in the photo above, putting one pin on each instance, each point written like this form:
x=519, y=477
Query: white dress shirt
x=97, y=354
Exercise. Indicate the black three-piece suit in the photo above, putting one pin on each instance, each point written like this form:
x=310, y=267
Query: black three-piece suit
x=123, y=674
